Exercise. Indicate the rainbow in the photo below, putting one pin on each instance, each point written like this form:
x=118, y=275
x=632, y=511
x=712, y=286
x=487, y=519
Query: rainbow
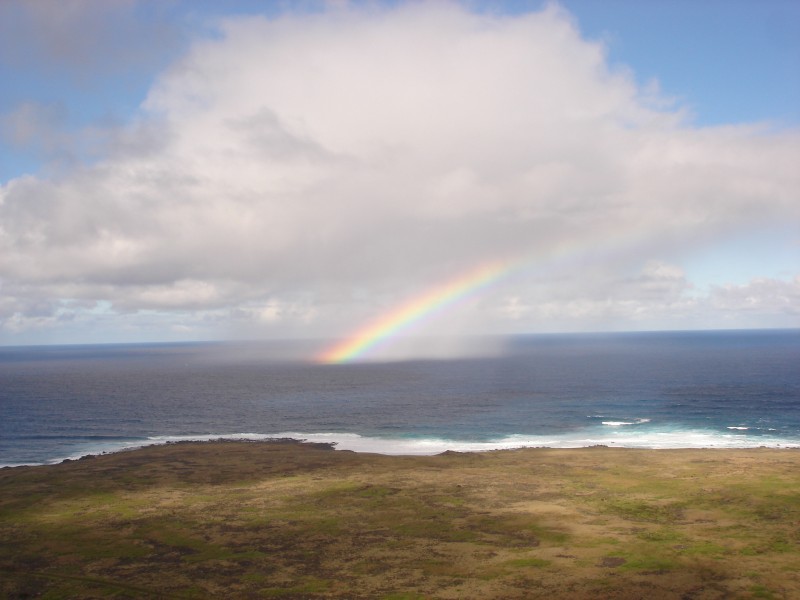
x=588, y=248
x=415, y=310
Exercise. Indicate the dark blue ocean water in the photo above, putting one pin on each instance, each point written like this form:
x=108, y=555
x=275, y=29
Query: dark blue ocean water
x=677, y=389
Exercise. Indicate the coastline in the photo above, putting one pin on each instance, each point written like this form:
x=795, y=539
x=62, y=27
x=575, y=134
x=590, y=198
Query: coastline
x=297, y=520
x=612, y=435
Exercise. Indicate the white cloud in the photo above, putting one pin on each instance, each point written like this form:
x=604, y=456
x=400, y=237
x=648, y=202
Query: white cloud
x=305, y=172
x=659, y=297
x=760, y=297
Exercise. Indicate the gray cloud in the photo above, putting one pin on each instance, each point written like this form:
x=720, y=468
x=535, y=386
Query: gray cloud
x=81, y=39
x=297, y=175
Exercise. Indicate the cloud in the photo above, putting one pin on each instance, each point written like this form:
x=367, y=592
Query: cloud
x=659, y=297
x=72, y=72
x=762, y=296
x=81, y=39
x=29, y=123
x=304, y=172
x=43, y=130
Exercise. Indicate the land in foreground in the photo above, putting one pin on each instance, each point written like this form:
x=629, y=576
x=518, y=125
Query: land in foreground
x=290, y=520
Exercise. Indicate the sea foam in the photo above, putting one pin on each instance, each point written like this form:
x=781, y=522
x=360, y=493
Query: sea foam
x=428, y=446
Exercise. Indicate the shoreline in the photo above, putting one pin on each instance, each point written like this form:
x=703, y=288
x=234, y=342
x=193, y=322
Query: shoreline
x=302, y=444
x=431, y=446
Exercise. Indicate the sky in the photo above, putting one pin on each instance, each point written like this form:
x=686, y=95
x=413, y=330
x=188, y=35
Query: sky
x=196, y=170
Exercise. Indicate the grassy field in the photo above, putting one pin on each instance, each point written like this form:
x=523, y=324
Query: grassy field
x=285, y=520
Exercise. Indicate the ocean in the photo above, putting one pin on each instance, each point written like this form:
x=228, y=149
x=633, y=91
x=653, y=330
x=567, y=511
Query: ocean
x=717, y=389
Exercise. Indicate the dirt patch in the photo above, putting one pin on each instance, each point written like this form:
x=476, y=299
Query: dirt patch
x=611, y=562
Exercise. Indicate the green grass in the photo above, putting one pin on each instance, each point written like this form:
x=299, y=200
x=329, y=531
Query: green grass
x=662, y=534
x=646, y=511
x=313, y=586
x=650, y=562
x=524, y=563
